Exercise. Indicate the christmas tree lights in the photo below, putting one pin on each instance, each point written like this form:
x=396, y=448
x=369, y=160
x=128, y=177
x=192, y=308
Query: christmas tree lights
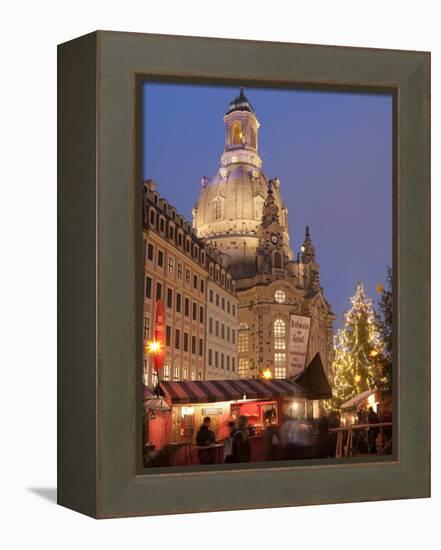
x=357, y=346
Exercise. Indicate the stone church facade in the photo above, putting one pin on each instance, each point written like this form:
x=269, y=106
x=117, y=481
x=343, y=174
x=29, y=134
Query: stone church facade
x=240, y=212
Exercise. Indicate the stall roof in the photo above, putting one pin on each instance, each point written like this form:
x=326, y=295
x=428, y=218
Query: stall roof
x=210, y=391
x=147, y=393
x=358, y=399
x=314, y=381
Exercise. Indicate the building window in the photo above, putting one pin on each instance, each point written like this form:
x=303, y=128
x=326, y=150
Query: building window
x=195, y=282
x=228, y=307
x=279, y=347
x=216, y=359
x=202, y=286
x=148, y=287
x=243, y=367
x=210, y=357
x=179, y=239
x=201, y=347
x=216, y=330
x=186, y=307
x=166, y=374
x=160, y=258
x=217, y=300
x=234, y=310
x=211, y=296
x=243, y=338
x=277, y=260
x=210, y=325
x=223, y=303
x=187, y=276
x=158, y=291
x=193, y=345
x=179, y=271
x=178, y=302
x=279, y=334
x=146, y=327
x=228, y=334
x=152, y=217
x=187, y=245
x=175, y=374
x=222, y=361
x=186, y=341
x=195, y=311
x=167, y=335
x=233, y=336
x=185, y=373
x=162, y=225
x=169, y=298
x=193, y=374
x=280, y=296
x=170, y=264
x=201, y=314
x=150, y=252
x=228, y=362
x=280, y=365
x=177, y=338
x=233, y=364
x=223, y=331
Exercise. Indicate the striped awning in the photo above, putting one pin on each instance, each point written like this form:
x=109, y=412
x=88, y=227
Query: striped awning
x=147, y=393
x=211, y=391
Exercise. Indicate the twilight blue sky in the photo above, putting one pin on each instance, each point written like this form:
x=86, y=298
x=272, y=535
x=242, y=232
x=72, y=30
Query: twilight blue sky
x=332, y=152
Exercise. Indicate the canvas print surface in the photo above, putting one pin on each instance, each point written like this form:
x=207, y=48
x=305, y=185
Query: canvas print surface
x=267, y=254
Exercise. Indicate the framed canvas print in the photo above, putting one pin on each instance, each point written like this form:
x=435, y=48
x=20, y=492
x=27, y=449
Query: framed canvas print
x=244, y=274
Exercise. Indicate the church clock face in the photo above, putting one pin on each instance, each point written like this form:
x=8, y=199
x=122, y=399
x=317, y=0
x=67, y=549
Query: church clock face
x=274, y=239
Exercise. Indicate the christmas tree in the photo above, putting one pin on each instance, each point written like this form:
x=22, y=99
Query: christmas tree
x=357, y=346
x=383, y=316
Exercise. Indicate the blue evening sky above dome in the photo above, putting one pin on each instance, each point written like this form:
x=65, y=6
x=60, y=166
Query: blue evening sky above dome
x=331, y=150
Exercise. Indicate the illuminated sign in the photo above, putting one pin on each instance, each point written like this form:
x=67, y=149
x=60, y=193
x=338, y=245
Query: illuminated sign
x=299, y=327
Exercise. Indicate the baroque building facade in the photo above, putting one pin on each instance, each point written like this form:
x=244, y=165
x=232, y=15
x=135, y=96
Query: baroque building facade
x=241, y=213
x=183, y=272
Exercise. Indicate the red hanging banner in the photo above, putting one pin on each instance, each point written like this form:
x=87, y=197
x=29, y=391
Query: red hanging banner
x=159, y=354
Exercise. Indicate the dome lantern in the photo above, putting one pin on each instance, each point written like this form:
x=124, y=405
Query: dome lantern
x=241, y=130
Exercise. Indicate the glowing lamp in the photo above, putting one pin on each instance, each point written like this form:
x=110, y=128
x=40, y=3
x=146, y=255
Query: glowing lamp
x=153, y=346
x=373, y=353
x=357, y=378
x=267, y=374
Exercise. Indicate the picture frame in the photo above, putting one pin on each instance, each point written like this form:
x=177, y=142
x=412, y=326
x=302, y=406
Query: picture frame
x=100, y=280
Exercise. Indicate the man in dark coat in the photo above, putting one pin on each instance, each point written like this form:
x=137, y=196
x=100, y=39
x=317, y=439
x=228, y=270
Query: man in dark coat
x=373, y=432
x=204, y=438
x=241, y=442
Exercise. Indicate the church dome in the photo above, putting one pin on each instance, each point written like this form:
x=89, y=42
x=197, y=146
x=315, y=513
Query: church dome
x=228, y=212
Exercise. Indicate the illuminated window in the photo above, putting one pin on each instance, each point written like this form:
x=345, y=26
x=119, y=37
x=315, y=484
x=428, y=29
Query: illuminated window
x=166, y=375
x=175, y=373
x=280, y=296
x=185, y=373
x=193, y=375
x=243, y=338
x=243, y=367
x=279, y=334
x=170, y=264
x=279, y=348
x=236, y=133
x=253, y=138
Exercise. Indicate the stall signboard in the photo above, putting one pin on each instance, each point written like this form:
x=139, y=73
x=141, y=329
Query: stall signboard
x=299, y=327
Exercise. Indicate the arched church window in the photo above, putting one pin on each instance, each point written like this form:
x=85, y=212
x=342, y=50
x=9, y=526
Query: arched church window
x=236, y=133
x=279, y=348
x=243, y=341
x=217, y=208
x=277, y=260
x=279, y=334
x=280, y=296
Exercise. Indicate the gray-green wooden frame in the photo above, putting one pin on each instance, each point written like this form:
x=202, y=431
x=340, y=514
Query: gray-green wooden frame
x=100, y=273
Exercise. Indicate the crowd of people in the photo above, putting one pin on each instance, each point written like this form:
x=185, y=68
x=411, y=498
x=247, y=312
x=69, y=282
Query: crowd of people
x=291, y=440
